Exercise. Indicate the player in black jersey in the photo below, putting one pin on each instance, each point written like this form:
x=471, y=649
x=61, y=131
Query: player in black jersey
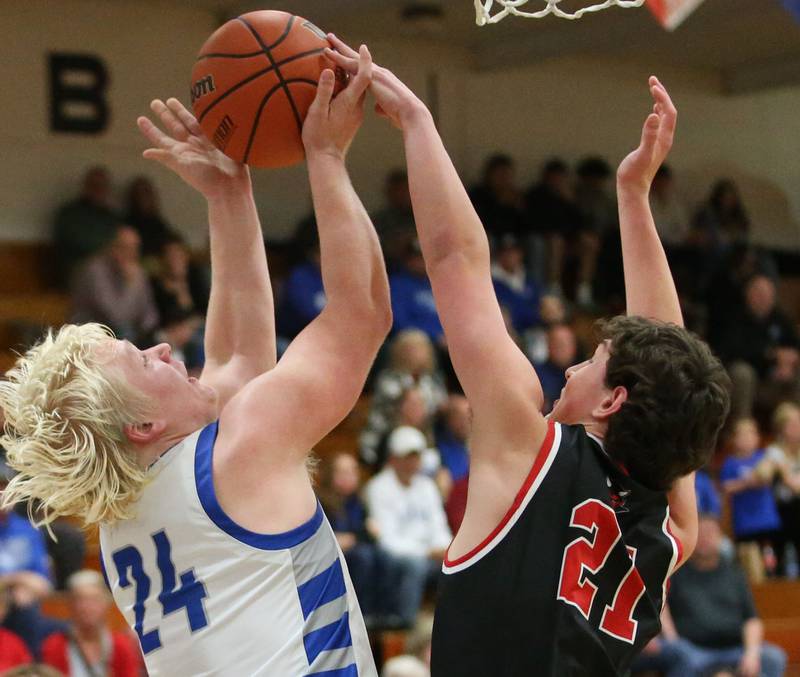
x=573, y=524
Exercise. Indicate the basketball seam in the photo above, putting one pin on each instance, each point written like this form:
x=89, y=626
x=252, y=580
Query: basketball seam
x=255, y=76
x=261, y=106
x=222, y=55
x=281, y=80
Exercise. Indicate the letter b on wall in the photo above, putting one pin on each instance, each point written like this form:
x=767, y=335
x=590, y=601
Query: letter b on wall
x=77, y=93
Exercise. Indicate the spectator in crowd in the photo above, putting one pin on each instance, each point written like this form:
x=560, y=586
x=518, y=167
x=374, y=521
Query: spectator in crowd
x=302, y=296
x=452, y=435
x=395, y=222
x=714, y=616
x=405, y=666
x=13, y=651
x=594, y=197
x=554, y=220
x=412, y=365
x=562, y=354
x=783, y=467
x=88, y=647
x=721, y=221
x=497, y=199
x=176, y=287
x=367, y=563
x=708, y=499
x=552, y=312
x=669, y=214
x=144, y=214
x=755, y=515
x=411, y=523
x=725, y=294
x=760, y=344
x=516, y=291
x=114, y=289
x=412, y=298
x=84, y=226
x=24, y=574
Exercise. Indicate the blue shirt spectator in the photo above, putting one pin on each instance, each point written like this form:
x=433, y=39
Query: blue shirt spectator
x=754, y=509
x=302, y=299
x=516, y=291
x=562, y=353
x=412, y=298
x=451, y=438
x=708, y=501
x=22, y=547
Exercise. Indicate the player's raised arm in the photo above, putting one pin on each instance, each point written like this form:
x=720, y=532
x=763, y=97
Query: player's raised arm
x=322, y=373
x=649, y=289
x=240, y=327
x=500, y=383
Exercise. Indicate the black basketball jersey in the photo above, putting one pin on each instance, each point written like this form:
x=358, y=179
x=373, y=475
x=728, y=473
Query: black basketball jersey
x=571, y=582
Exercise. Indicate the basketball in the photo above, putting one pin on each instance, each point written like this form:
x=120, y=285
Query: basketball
x=253, y=82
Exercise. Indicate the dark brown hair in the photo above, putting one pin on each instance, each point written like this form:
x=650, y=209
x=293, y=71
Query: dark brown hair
x=678, y=399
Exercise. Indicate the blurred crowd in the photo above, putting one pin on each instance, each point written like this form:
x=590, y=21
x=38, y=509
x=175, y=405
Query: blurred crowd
x=397, y=496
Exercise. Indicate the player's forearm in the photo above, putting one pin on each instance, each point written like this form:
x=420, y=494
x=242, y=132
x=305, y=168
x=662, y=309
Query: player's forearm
x=241, y=317
x=446, y=220
x=649, y=288
x=353, y=272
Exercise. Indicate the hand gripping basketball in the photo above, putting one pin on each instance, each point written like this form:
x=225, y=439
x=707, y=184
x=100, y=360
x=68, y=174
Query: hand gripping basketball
x=332, y=123
x=393, y=99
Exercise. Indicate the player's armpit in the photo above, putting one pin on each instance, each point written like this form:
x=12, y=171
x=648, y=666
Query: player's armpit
x=683, y=520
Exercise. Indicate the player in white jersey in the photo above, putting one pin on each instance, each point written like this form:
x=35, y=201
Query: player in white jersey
x=214, y=545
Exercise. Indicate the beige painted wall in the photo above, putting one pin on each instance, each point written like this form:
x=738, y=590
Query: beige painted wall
x=566, y=107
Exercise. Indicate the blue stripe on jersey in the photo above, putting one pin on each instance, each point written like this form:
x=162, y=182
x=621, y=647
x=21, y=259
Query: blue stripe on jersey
x=323, y=588
x=204, y=480
x=333, y=636
x=349, y=671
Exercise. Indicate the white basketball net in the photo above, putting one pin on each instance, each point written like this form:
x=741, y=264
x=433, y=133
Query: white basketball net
x=483, y=9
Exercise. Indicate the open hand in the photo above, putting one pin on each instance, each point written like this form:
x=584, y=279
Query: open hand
x=393, y=99
x=332, y=123
x=640, y=166
x=186, y=151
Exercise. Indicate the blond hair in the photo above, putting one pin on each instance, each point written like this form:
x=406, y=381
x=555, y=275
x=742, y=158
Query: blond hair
x=66, y=410
x=782, y=415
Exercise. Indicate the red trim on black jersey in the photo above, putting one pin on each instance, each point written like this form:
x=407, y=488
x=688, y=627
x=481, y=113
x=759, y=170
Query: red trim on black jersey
x=544, y=452
x=677, y=541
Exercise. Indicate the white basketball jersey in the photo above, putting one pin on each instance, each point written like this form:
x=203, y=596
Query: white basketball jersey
x=208, y=597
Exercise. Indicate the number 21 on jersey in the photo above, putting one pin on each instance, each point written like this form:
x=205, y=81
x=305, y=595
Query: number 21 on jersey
x=585, y=556
x=189, y=595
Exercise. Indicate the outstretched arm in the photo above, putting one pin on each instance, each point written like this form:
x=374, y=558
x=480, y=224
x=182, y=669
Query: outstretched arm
x=649, y=288
x=322, y=373
x=240, y=327
x=504, y=392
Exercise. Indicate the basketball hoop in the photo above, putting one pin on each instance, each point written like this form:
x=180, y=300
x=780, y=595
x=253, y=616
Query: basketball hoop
x=483, y=9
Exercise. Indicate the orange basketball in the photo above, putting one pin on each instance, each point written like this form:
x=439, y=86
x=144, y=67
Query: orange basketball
x=252, y=85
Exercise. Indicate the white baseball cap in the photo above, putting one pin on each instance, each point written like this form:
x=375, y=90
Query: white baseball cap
x=406, y=440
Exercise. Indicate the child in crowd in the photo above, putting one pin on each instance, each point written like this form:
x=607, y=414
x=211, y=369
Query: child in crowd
x=755, y=515
x=782, y=465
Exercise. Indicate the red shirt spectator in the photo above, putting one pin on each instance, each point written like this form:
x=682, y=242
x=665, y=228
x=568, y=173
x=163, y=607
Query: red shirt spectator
x=123, y=660
x=89, y=647
x=13, y=651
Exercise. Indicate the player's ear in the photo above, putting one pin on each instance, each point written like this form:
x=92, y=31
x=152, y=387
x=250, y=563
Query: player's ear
x=611, y=403
x=144, y=433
